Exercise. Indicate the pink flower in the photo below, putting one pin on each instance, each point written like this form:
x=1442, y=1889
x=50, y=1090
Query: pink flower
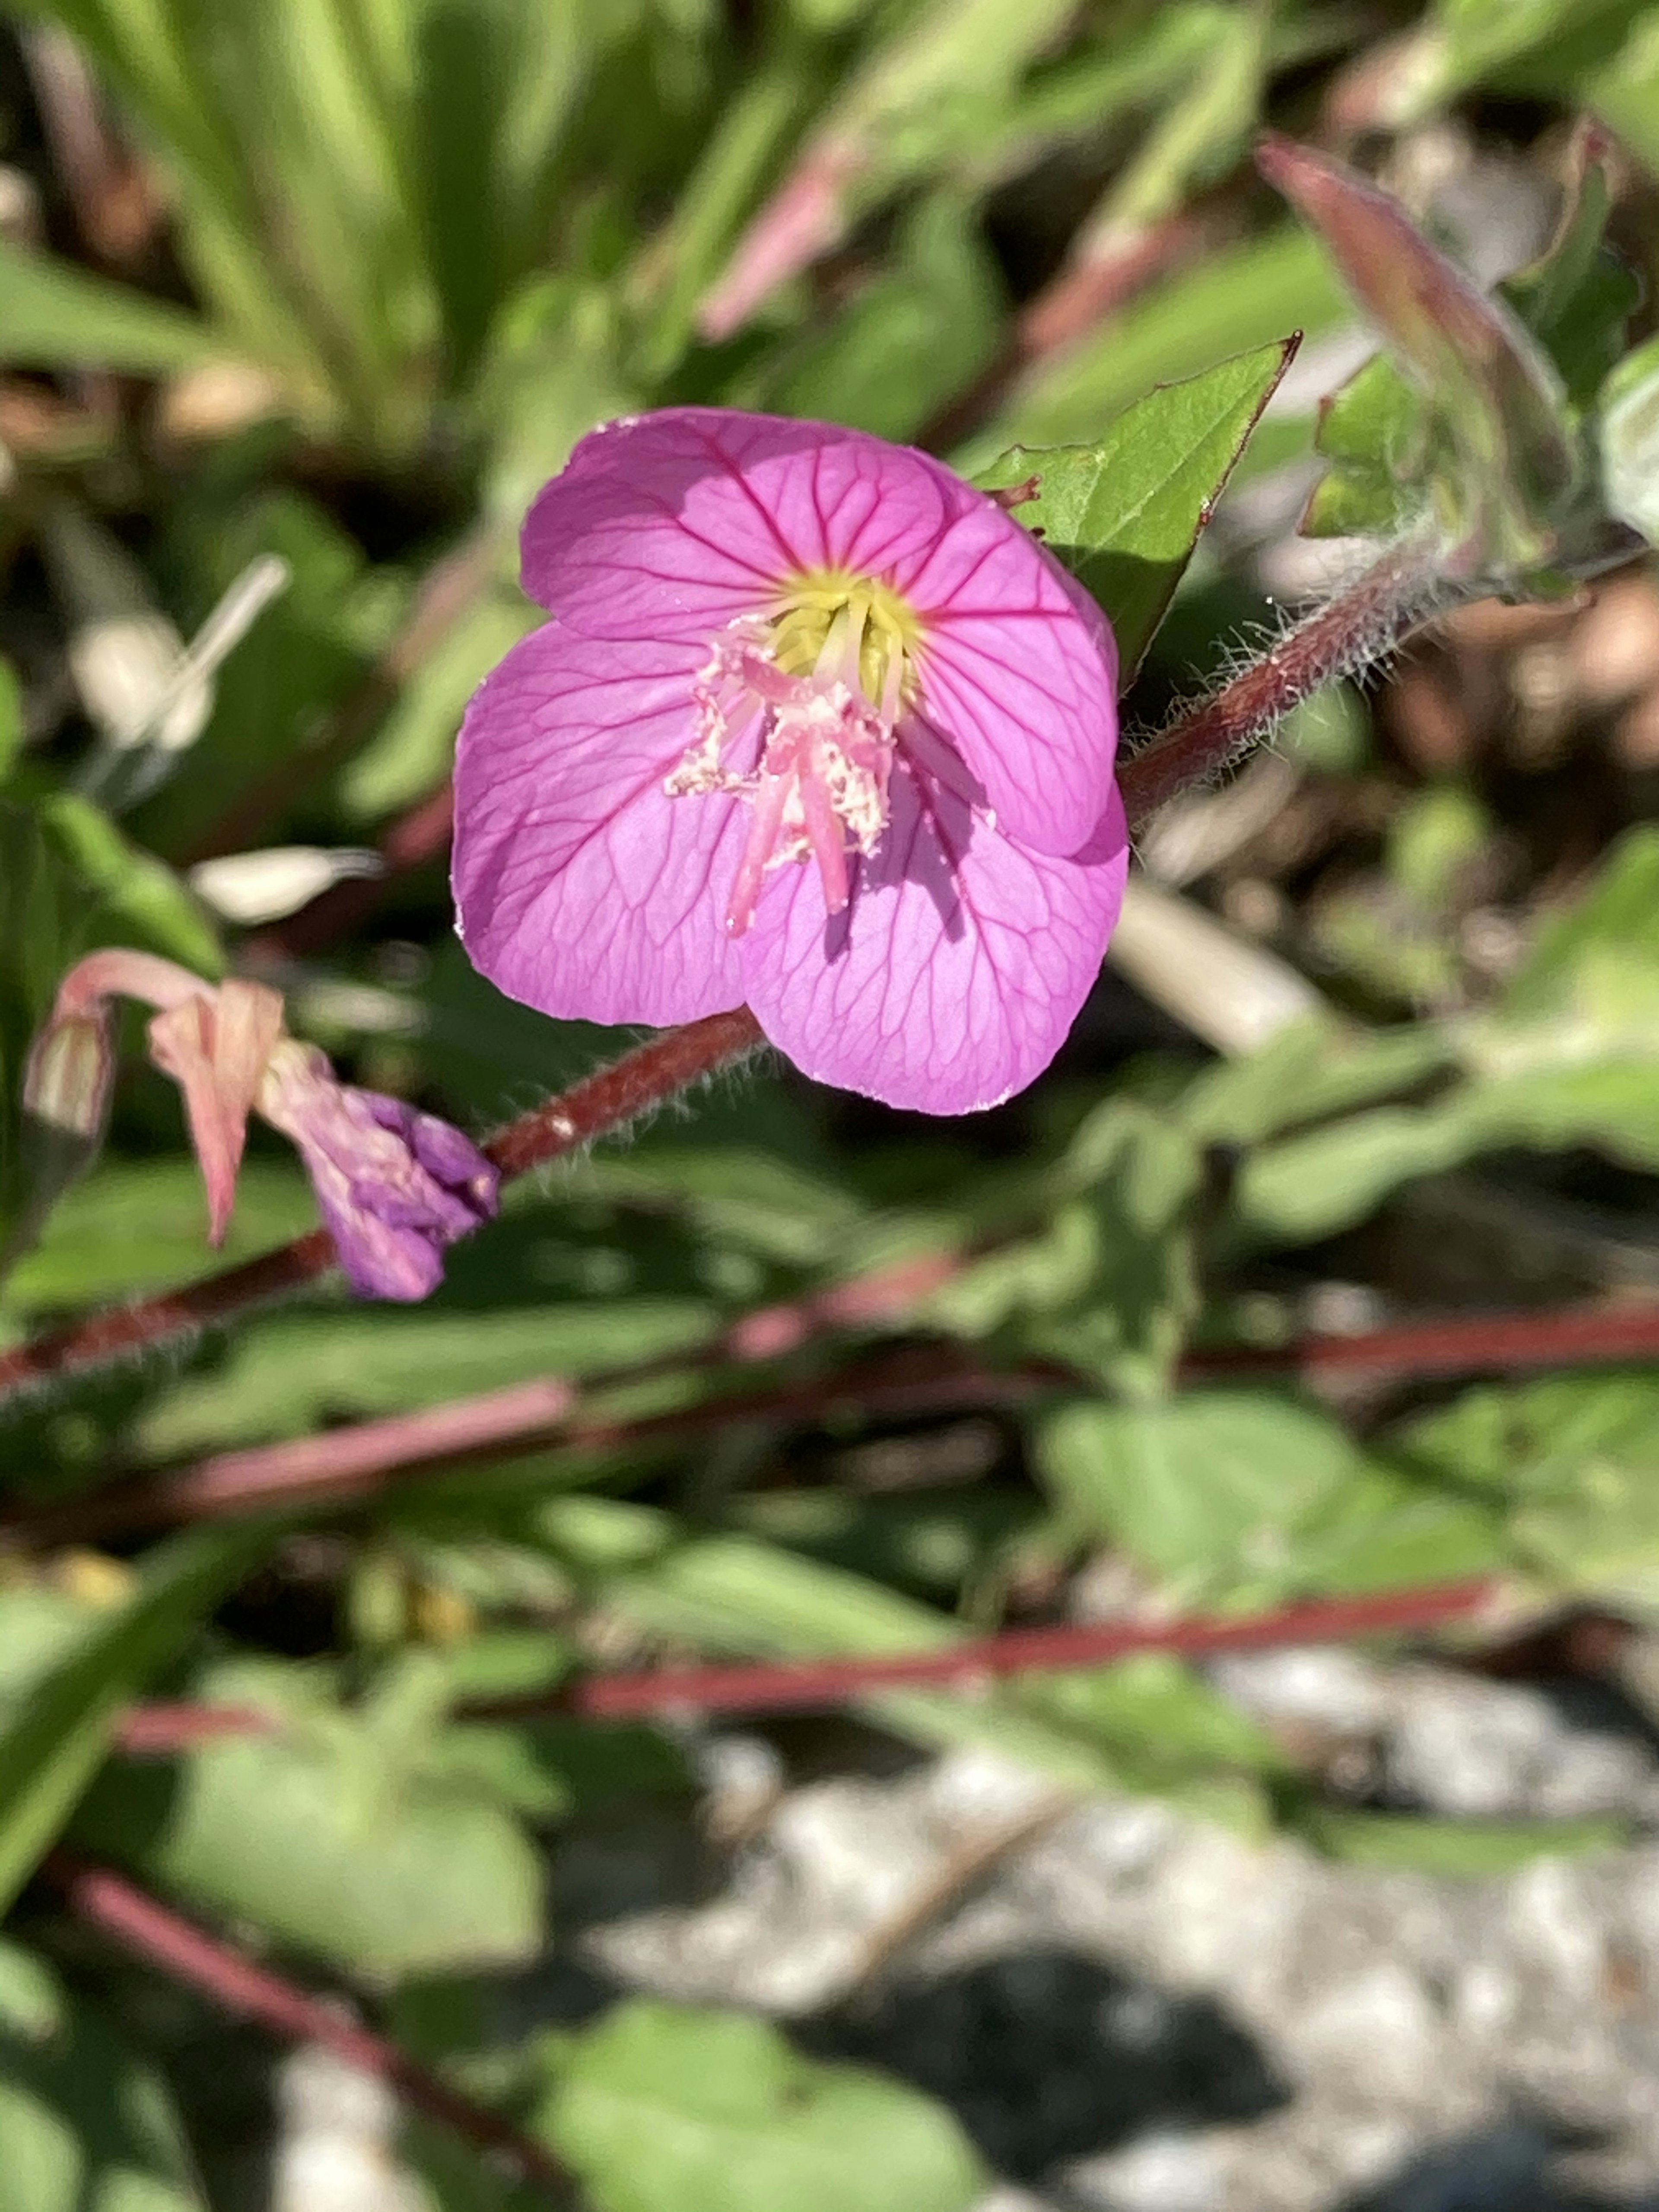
x=816, y=726
x=396, y=1186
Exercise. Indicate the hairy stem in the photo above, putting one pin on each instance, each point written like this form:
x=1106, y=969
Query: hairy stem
x=106, y=1900
x=1375, y=614
x=607, y=1100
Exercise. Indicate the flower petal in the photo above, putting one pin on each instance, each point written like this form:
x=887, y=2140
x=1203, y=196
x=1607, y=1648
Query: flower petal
x=396, y=1186
x=670, y=526
x=952, y=979
x=215, y=1048
x=1019, y=673
x=581, y=887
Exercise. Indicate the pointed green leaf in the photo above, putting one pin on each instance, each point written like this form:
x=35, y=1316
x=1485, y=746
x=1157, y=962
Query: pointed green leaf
x=339, y=1832
x=1125, y=512
x=53, y=315
x=1472, y=1850
x=1200, y=1487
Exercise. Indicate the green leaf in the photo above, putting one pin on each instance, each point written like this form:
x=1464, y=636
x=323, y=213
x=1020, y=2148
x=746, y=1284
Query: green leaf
x=664, y=2109
x=53, y=315
x=1204, y=1488
x=1140, y=1174
x=141, y=896
x=1162, y=1724
x=1591, y=980
x=1573, y=1458
x=1311, y=1186
x=1536, y=1439
x=1629, y=441
x=1386, y=1530
x=54, y=1738
x=38, y=1625
x=739, y=1595
x=289, y=1375
x=1577, y=298
x=1473, y=1850
x=1612, y=68
x=133, y=1228
x=354, y=1835
x=84, y=2126
x=1307, y=1072
x=1373, y=432
x=1125, y=512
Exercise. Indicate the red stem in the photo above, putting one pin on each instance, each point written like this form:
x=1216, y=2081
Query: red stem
x=794, y=1684
x=1466, y=1344
x=141, y=1925
x=342, y=1465
x=604, y=1101
x=1363, y=623
x=797, y=1684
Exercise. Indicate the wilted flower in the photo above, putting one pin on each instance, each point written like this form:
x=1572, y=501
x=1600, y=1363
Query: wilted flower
x=777, y=643
x=396, y=1186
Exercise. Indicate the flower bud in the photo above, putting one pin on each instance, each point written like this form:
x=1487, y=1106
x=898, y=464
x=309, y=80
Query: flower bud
x=71, y=1072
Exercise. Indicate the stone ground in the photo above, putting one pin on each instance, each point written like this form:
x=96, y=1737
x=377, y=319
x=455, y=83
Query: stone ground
x=1130, y=2012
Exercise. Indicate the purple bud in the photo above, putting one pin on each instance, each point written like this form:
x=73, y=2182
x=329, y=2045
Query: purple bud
x=396, y=1186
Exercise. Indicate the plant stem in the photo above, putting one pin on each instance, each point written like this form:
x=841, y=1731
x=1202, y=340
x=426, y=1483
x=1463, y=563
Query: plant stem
x=343, y=1466
x=604, y=1101
x=799, y=1685
x=141, y=1924
x=1360, y=625
x=795, y=1685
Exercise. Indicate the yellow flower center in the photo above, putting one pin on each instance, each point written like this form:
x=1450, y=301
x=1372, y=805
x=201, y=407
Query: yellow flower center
x=856, y=613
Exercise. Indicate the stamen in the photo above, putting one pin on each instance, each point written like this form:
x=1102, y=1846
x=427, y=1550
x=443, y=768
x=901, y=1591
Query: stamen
x=822, y=685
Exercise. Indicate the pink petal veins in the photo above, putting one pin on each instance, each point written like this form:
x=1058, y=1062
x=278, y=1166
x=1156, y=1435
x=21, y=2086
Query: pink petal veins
x=955, y=973
x=581, y=887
